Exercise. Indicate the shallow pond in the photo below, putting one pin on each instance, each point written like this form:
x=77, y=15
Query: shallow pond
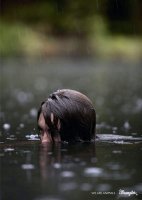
x=107, y=169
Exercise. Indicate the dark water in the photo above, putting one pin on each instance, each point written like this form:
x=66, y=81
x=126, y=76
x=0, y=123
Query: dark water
x=52, y=172
x=105, y=170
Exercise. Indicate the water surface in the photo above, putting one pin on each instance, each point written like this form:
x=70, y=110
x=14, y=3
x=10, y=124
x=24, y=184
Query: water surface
x=79, y=171
x=30, y=170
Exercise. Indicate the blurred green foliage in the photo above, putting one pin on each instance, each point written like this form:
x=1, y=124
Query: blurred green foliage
x=27, y=26
x=61, y=17
x=17, y=39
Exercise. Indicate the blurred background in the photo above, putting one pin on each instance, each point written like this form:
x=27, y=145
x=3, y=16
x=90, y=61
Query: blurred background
x=106, y=28
x=91, y=46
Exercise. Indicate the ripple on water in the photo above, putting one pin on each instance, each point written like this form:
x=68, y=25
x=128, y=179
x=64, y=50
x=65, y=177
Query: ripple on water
x=32, y=137
x=117, y=151
x=11, y=137
x=27, y=166
x=67, y=174
x=122, y=142
x=9, y=149
x=93, y=171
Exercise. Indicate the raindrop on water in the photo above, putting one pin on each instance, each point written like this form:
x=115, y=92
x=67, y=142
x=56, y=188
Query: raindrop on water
x=67, y=174
x=126, y=125
x=57, y=165
x=6, y=126
x=32, y=137
x=27, y=166
x=23, y=97
x=114, y=129
x=8, y=149
x=33, y=112
x=93, y=171
x=21, y=125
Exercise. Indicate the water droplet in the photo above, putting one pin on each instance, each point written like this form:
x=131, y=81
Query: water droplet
x=50, y=153
x=33, y=112
x=6, y=126
x=57, y=165
x=138, y=107
x=126, y=125
x=21, y=125
x=23, y=97
x=114, y=129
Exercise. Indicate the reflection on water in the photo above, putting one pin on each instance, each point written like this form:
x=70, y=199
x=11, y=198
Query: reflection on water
x=33, y=171
x=63, y=171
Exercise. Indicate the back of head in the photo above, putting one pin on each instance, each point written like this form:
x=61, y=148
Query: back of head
x=71, y=114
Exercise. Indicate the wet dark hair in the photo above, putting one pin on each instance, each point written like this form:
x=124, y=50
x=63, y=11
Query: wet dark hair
x=75, y=113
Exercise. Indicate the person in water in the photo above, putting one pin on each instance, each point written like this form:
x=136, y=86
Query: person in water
x=67, y=115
